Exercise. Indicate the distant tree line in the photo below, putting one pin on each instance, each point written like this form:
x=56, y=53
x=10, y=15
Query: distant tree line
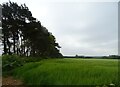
x=97, y=57
x=24, y=35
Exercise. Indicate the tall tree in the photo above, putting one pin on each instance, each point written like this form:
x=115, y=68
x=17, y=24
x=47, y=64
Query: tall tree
x=24, y=35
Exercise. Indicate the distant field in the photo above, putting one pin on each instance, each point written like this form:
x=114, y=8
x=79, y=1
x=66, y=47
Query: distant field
x=69, y=72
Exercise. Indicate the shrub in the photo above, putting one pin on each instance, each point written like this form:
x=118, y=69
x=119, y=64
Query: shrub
x=10, y=62
x=31, y=59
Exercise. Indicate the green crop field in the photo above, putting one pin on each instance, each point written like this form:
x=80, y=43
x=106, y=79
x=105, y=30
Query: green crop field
x=69, y=72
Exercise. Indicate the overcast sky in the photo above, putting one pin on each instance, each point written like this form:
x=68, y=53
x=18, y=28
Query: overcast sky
x=83, y=28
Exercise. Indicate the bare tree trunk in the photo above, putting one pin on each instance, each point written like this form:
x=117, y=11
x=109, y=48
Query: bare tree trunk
x=14, y=43
x=5, y=47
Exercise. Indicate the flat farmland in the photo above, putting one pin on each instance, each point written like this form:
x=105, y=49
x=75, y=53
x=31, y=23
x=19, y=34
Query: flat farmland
x=69, y=71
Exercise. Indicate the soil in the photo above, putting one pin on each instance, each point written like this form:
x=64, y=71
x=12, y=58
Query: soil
x=11, y=81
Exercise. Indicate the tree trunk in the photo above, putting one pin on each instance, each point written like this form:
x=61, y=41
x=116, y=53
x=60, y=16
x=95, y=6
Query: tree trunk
x=5, y=47
x=14, y=44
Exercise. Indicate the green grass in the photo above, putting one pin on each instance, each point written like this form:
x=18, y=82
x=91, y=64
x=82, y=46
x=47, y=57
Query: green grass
x=69, y=72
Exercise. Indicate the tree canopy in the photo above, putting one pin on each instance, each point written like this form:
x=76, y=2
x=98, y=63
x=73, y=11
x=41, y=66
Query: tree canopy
x=24, y=35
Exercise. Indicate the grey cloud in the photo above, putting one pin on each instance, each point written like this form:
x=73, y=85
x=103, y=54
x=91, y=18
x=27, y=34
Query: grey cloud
x=80, y=28
x=94, y=31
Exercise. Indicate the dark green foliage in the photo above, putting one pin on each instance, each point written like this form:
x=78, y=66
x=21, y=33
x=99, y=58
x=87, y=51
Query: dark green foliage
x=31, y=59
x=24, y=35
x=10, y=62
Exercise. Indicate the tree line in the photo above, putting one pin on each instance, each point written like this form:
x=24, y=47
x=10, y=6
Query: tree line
x=24, y=35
